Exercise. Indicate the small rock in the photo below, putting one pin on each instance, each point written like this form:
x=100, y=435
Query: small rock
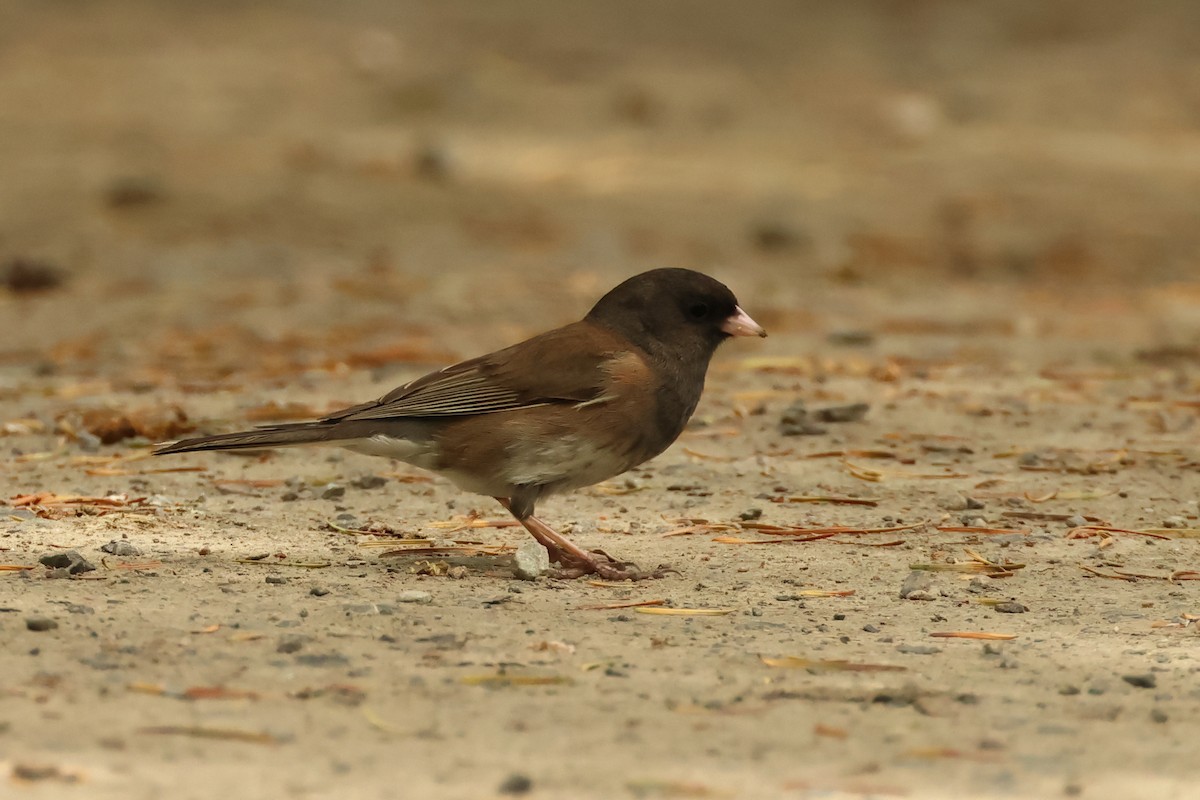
x=27, y=276
x=1158, y=715
x=869, y=628
x=921, y=594
x=750, y=514
x=972, y=503
x=1142, y=681
x=775, y=237
x=322, y=660
x=978, y=584
x=851, y=338
x=120, y=547
x=416, y=596
x=1076, y=521
x=361, y=609
x=290, y=644
x=1010, y=607
x=318, y=591
x=369, y=482
x=40, y=624
x=853, y=412
x=796, y=422
x=1175, y=522
x=70, y=560
x=953, y=501
x=1068, y=691
x=918, y=649
x=531, y=561
x=333, y=492
x=516, y=784
x=276, y=580
x=1029, y=460
x=916, y=581
x=77, y=608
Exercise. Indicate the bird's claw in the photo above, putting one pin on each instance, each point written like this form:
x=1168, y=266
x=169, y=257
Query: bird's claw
x=603, y=565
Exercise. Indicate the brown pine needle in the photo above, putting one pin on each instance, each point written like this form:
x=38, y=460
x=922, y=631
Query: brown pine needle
x=119, y=471
x=837, y=529
x=829, y=731
x=503, y=681
x=13, y=567
x=987, y=531
x=845, y=501
x=201, y=732
x=991, y=637
x=708, y=457
x=471, y=550
x=613, y=606
x=686, y=612
x=1115, y=577
x=827, y=665
x=792, y=539
x=1080, y=532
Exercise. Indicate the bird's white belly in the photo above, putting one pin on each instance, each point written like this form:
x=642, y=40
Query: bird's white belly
x=564, y=463
x=419, y=454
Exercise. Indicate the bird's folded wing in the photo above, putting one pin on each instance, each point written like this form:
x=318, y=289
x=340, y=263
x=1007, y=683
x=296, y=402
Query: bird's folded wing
x=565, y=365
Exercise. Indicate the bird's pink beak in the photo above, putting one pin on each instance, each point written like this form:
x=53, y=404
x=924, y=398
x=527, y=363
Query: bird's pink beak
x=740, y=324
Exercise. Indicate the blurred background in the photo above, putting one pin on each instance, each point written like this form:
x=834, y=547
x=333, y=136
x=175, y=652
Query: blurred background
x=460, y=171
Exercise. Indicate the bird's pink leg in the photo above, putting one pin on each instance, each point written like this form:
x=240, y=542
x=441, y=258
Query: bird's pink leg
x=574, y=559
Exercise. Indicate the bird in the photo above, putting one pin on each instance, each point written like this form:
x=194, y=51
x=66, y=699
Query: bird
x=563, y=410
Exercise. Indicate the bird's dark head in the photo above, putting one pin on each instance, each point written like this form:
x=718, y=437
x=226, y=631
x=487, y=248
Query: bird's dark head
x=676, y=313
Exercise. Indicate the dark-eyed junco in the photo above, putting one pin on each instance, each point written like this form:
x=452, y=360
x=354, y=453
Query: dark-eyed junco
x=563, y=410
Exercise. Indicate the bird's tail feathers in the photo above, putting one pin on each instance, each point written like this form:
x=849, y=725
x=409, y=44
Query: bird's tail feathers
x=274, y=436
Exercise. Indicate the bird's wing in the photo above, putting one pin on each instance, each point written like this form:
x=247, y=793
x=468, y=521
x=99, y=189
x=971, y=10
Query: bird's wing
x=563, y=366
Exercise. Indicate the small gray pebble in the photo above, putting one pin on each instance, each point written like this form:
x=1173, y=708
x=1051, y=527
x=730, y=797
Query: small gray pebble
x=531, y=561
x=750, y=514
x=972, y=503
x=1010, y=608
x=978, y=585
x=120, y=547
x=1076, y=521
x=333, y=492
x=869, y=628
x=916, y=581
x=70, y=560
x=1158, y=715
x=318, y=591
x=369, y=482
x=277, y=580
x=77, y=608
x=516, y=784
x=290, y=644
x=40, y=624
x=322, y=660
x=853, y=412
x=953, y=501
x=417, y=596
x=1175, y=522
x=918, y=649
x=1142, y=681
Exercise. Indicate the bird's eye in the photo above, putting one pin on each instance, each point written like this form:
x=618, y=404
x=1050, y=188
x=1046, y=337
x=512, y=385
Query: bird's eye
x=698, y=310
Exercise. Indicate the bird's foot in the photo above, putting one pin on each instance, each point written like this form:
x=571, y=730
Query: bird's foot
x=575, y=562
x=602, y=565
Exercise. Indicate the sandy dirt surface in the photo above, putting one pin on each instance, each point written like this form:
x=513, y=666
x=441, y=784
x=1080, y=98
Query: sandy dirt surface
x=979, y=221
